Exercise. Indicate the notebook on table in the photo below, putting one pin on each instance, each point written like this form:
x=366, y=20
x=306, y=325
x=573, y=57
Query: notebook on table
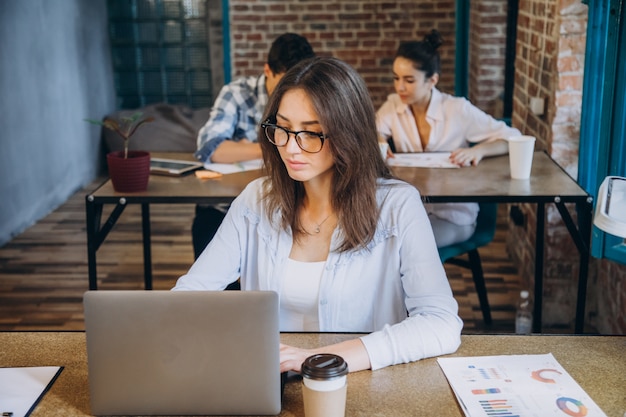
x=183, y=352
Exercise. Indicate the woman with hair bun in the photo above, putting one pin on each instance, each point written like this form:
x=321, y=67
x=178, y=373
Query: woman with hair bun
x=420, y=118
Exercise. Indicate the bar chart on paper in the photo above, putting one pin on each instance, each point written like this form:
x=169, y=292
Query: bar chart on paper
x=516, y=386
x=504, y=407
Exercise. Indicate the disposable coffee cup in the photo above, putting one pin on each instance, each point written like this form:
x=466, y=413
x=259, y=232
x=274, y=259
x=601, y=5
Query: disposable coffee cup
x=384, y=148
x=521, y=150
x=324, y=385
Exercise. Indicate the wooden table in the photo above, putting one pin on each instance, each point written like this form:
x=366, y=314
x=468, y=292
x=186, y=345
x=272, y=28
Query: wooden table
x=489, y=182
x=417, y=389
x=161, y=190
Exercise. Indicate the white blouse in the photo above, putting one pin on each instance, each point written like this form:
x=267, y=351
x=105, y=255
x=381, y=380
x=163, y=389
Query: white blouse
x=299, y=296
x=395, y=288
x=454, y=123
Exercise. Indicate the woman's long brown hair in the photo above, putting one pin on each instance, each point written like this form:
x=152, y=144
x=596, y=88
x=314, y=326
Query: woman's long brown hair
x=346, y=113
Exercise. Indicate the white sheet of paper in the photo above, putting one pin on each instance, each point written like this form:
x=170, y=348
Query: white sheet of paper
x=422, y=160
x=236, y=167
x=20, y=388
x=516, y=385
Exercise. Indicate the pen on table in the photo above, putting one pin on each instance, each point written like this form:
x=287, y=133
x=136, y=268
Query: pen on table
x=7, y=414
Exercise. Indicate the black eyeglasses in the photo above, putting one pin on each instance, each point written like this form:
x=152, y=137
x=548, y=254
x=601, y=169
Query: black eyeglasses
x=311, y=142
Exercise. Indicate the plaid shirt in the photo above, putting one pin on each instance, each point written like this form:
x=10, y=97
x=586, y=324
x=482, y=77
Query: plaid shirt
x=236, y=115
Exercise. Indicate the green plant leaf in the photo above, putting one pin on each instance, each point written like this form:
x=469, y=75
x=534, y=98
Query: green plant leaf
x=134, y=128
x=132, y=118
x=94, y=122
x=125, y=127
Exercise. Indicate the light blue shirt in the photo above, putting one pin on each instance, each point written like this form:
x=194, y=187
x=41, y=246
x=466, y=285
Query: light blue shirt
x=369, y=290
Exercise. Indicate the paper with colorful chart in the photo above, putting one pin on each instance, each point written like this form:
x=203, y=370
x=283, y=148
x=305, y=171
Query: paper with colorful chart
x=516, y=386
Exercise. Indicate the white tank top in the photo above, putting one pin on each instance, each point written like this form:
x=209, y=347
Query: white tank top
x=299, y=296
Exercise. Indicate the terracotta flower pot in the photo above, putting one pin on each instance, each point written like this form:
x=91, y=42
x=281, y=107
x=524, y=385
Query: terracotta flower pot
x=129, y=174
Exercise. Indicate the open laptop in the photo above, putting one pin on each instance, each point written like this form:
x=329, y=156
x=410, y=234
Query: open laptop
x=183, y=352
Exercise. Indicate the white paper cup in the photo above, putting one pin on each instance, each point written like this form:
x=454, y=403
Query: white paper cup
x=521, y=149
x=324, y=398
x=384, y=147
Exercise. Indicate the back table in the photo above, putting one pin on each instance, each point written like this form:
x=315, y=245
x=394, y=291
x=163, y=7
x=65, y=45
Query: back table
x=488, y=182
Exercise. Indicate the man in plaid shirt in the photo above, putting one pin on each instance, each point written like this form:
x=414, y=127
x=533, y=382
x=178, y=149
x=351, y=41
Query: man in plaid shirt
x=230, y=134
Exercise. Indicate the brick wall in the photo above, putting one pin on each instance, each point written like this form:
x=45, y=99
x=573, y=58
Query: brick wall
x=567, y=99
x=550, y=52
x=535, y=67
x=550, y=66
x=366, y=34
x=606, y=301
x=215, y=37
x=541, y=31
x=487, y=46
x=607, y=305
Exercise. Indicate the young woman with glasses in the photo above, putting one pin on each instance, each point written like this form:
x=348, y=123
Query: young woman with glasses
x=347, y=247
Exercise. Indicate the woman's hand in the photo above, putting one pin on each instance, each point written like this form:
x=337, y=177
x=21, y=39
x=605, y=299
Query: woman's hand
x=291, y=358
x=472, y=156
x=466, y=156
x=352, y=351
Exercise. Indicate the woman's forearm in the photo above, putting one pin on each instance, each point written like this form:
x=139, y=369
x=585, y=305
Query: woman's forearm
x=352, y=351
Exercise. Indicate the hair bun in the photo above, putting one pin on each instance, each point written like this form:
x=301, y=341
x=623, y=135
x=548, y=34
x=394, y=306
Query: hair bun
x=433, y=39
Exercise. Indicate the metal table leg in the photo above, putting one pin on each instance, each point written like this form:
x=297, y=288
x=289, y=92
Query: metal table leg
x=581, y=236
x=97, y=234
x=539, y=244
x=147, y=251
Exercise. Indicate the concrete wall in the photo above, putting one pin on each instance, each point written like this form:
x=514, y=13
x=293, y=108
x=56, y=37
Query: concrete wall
x=55, y=71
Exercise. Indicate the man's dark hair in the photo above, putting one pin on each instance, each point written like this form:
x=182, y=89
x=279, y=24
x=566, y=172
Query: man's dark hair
x=287, y=50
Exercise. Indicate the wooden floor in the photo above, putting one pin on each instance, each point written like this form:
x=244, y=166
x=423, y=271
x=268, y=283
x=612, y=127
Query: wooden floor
x=43, y=271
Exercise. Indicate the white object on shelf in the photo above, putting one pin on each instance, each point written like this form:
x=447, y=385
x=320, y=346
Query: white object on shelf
x=610, y=215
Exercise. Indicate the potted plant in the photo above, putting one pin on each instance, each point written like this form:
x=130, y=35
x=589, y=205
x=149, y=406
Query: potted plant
x=129, y=170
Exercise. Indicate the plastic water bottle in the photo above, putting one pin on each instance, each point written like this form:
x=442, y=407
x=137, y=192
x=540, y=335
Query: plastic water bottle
x=524, y=315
